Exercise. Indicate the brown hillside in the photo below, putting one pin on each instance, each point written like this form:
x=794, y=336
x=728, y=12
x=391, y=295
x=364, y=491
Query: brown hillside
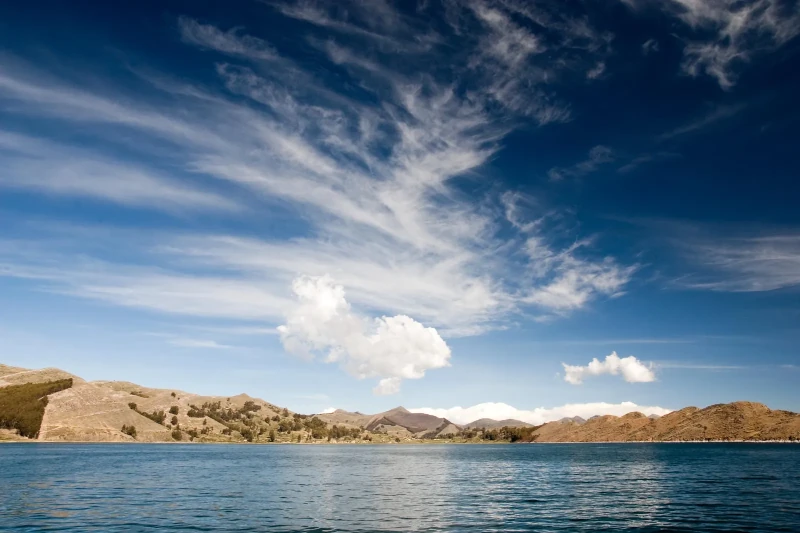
x=734, y=421
x=490, y=423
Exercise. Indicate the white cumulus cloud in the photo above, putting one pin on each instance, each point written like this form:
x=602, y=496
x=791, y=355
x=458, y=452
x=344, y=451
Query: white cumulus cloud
x=538, y=415
x=391, y=348
x=631, y=369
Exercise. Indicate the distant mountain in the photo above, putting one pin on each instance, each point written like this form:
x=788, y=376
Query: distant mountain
x=574, y=420
x=397, y=422
x=489, y=423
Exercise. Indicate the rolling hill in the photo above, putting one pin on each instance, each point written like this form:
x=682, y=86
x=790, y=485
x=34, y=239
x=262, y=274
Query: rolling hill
x=54, y=405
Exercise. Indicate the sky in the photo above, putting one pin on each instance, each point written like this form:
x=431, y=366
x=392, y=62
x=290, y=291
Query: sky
x=469, y=208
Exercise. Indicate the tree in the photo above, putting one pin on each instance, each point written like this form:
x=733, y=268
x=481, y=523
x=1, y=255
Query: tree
x=174, y=409
x=129, y=430
x=174, y=420
x=132, y=405
x=272, y=435
x=173, y=395
x=285, y=412
x=177, y=434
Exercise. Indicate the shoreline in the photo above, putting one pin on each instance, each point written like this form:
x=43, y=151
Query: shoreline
x=433, y=443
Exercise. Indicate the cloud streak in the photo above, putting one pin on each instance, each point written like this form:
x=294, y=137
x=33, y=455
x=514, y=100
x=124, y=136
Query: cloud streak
x=369, y=182
x=744, y=264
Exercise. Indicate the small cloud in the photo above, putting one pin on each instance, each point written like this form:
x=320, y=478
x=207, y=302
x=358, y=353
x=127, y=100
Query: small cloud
x=328, y=411
x=644, y=159
x=598, y=156
x=650, y=46
x=714, y=115
x=631, y=369
x=597, y=71
x=199, y=343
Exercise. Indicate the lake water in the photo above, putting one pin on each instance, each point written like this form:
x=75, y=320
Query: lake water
x=540, y=487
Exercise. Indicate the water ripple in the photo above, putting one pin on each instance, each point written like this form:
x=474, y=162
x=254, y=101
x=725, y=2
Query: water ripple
x=316, y=489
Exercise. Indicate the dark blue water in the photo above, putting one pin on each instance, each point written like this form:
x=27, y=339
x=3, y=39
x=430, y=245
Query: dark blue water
x=569, y=487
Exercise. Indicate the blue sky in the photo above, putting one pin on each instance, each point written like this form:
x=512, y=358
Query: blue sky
x=442, y=204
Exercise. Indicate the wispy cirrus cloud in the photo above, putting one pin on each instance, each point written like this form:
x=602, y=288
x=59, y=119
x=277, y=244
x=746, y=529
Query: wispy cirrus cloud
x=232, y=41
x=199, y=343
x=714, y=115
x=744, y=263
x=38, y=165
x=597, y=157
x=370, y=180
x=721, y=37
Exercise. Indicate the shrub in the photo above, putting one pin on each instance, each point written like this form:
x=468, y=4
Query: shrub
x=174, y=421
x=156, y=416
x=132, y=405
x=173, y=395
x=177, y=434
x=174, y=409
x=140, y=394
x=129, y=430
x=247, y=433
x=272, y=435
x=22, y=406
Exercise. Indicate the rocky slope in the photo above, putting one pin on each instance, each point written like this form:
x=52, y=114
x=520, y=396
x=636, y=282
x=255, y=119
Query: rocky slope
x=97, y=410
x=733, y=421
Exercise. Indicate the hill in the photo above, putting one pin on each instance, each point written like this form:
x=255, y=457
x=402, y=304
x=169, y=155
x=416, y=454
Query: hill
x=489, y=423
x=53, y=405
x=397, y=422
x=733, y=421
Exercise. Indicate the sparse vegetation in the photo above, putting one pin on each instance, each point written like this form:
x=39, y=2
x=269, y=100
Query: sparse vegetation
x=140, y=394
x=22, y=406
x=156, y=416
x=511, y=434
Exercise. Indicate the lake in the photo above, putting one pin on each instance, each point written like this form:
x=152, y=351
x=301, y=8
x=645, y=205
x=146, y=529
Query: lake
x=364, y=488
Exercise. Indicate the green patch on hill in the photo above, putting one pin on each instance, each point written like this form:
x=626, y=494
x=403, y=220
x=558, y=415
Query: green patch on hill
x=22, y=406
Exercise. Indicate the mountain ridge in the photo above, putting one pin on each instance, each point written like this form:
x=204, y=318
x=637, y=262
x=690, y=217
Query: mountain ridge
x=120, y=411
